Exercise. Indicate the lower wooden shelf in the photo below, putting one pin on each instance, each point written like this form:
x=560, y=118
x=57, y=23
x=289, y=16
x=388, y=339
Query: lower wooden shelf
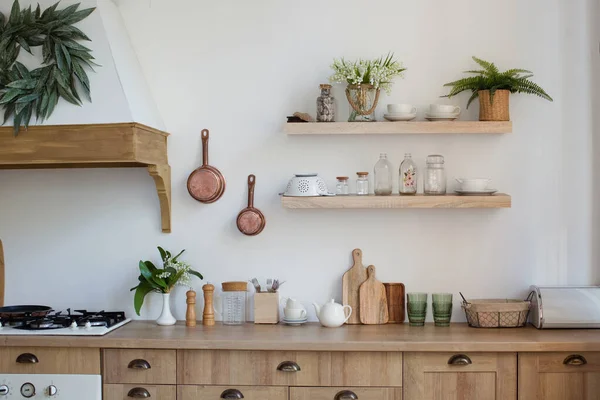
x=499, y=200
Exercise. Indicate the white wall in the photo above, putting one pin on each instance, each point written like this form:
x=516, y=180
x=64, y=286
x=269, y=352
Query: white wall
x=238, y=68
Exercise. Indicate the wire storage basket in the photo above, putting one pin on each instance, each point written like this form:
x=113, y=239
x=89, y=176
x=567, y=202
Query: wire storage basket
x=496, y=313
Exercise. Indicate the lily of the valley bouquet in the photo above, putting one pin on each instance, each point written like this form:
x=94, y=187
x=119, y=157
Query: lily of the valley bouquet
x=379, y=72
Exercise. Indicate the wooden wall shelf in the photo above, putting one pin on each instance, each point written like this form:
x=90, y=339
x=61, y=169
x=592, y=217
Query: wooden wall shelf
x=499, y=200
x=93, y=146
x=396, y=128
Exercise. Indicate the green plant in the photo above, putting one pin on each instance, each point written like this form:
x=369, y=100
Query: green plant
x=378, y=72
x=490, y=78
x=152, y=279
x=24, y=93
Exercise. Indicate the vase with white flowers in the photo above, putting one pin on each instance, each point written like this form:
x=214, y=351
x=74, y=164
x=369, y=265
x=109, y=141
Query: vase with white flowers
x=162, y=280
x=365, y=79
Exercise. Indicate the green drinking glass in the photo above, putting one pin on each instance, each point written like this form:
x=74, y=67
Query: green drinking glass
x=442, y=313
x=416, y=307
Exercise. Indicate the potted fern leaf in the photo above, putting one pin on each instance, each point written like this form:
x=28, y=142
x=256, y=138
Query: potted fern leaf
x=493, y=89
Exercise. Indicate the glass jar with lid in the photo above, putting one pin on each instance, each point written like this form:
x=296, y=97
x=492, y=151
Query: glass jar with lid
x=234, y=302
x=341, y=188
x=325, y=104
x=434, y=181
x=362, y=183
x=383, y=176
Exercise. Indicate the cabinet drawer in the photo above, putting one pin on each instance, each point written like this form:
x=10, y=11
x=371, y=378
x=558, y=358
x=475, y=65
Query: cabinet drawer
x=344, y=393
x=47, y=360
x=263, y=368
x=140, y=366
x=128, y=392
x=366, y=369
x=564, y=362
x=222, y=392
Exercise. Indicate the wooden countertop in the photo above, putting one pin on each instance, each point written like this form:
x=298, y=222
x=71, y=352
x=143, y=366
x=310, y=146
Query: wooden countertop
x=458, y=337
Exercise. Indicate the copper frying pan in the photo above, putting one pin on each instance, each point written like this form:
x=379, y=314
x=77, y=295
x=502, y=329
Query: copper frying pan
x=250, y=220
x=206, y=184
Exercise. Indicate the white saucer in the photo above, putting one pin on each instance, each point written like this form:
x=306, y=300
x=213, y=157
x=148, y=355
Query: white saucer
x=442, y=117
x=295, y=322
x=486, y=192
x=399, y=116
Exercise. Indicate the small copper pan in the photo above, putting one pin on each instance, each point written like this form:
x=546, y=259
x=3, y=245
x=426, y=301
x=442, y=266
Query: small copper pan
x=206, y=184
x=250, y=220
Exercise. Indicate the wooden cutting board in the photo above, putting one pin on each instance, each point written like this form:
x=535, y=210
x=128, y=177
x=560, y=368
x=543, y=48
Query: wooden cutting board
x=1, y=275
x=351, y=282
x=373, y=300
x=395, y=300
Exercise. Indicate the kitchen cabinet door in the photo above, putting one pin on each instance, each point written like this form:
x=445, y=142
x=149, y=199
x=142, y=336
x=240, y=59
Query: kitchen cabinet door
x=128, y=392
x=559, y=376
x=343, y=393
x=454, y=376
x=232, y=392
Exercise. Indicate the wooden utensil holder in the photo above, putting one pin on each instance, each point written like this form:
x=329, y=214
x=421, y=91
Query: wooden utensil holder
x=266, y=308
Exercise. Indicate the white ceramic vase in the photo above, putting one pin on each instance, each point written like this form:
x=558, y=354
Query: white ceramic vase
x=166, y=318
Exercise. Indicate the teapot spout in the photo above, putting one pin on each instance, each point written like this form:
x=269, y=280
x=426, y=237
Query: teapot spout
x=317, y=309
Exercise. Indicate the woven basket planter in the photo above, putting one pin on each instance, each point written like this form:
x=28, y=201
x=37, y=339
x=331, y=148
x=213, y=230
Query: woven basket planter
x=496, y=109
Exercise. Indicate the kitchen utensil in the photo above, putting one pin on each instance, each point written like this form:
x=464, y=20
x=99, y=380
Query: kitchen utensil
x=208, y=314
x=250, y=220
x=269, y=284
x=565, y=307
x=190, y=313
x=486, y=192
x=206, y=184
x=307, y=185
x=473, y=184
x=234, y=302
x=2, y=281
x=351, y=281
x=395, y=299
x=276, y=285
x=373, y=300
x=16, y=312
x=256, y=285
x=497, y=313
x=332, y=314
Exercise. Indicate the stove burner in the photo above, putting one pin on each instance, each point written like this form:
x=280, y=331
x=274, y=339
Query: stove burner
x=66, y=319
x=43, y=323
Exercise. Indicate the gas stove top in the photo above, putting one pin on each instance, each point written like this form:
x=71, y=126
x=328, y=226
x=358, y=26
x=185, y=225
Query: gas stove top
x=76, y=323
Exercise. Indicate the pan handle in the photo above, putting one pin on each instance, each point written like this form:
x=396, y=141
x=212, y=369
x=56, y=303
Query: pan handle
x=251, y=184
x=204, y=135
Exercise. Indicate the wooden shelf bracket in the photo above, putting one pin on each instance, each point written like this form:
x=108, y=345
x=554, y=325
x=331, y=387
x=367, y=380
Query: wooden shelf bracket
x=162, y=179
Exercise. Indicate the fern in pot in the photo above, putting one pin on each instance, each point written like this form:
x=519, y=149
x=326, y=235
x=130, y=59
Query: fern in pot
x=493, y=88
x=162, y=280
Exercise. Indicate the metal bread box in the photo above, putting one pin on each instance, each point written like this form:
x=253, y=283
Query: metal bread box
x=565, y=307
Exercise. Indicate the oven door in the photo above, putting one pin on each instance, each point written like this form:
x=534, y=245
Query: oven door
x=64, y=387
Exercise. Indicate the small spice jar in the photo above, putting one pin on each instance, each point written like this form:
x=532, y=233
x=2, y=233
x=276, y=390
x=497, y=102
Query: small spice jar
x=362, y=183
x=341, y=188
x=234, y=302
x=325, y=104
x=434, y=182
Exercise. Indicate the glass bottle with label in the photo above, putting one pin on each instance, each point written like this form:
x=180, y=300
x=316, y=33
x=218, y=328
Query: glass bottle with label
x=408, y=176
x=383, y=176
x=362, y=183
x=434, y=182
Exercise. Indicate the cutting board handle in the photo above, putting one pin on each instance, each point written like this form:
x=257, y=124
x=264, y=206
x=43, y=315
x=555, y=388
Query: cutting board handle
x=371, y=271
x=357, y=256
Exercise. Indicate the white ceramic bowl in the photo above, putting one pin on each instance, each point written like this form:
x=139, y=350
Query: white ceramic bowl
x=473, y=184
x=306, y=185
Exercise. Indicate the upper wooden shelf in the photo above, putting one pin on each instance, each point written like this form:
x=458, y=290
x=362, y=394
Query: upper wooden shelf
x=92, y=146
x=395, y=128
x=498, y=200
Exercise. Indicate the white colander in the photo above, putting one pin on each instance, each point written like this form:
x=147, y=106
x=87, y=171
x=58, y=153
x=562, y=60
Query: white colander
x=307, y=185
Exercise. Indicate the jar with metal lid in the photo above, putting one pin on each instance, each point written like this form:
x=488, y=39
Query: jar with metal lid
x=234, y=302
x=362, y=183
x=341, y=188
x=325, y=104
x=434, y=181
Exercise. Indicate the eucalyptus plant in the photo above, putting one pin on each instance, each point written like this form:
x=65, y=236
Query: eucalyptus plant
x=490, y=78
x=162, y=280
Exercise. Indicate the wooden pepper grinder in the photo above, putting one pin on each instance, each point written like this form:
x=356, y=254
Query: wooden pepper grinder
x=190, y=315
x=208, y=316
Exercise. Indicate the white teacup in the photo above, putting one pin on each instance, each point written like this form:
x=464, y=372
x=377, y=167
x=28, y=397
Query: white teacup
x=294, y=313
x=443, y=109
x=292, y=304
x=401, y=109
x=473, y=184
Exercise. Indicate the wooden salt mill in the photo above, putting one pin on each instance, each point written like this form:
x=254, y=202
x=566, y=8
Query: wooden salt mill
x=208, y=316
x=190, y=314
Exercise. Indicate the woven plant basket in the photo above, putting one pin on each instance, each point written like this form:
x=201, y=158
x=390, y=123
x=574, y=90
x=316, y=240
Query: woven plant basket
x=496, y=109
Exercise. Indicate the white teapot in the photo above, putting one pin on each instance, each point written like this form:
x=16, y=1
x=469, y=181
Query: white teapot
x=332, y=314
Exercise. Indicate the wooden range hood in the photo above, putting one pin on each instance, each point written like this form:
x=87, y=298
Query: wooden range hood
x=93, y=146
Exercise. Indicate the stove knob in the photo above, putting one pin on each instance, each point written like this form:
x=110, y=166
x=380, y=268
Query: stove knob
x=3, y=390
x=28, y=390
x=52, y=390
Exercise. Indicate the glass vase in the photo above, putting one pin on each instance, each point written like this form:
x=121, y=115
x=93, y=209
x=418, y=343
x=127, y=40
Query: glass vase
x=363, y=101
x=166, y=317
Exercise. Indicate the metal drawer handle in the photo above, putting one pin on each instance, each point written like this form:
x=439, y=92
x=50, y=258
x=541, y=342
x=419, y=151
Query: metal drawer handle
x=232, y=394
x=460, y=359
x=139, y=393
x=575, y=360
x=139, y=364
x=27, y=358
x=346, y=395
x=288, y=366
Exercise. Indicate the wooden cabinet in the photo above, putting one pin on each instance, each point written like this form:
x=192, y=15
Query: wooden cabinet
x=227, y=392
x=450, y=376
x=345, y=393
x=559, y=376
x=140, y=366
x=128, y=392
x=47, y=360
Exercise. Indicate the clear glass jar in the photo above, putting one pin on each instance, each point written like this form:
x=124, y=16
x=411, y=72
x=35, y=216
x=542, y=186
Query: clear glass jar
x=383, y=176
x=363, y=100
x=362, y=183
x=341, y=188
x=234, y=303
x=434, y=182
x=325, y=105
x=408, y=176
